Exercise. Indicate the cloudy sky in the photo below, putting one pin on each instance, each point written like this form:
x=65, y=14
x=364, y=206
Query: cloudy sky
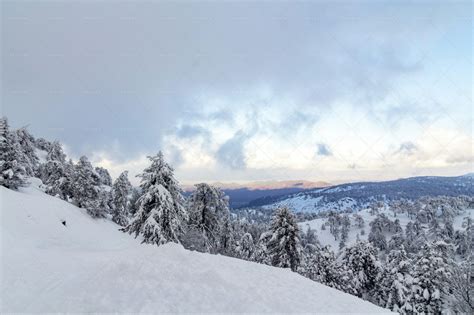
x=244, y=91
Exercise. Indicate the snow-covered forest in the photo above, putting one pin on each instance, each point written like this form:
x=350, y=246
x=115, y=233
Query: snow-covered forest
x=407, y=256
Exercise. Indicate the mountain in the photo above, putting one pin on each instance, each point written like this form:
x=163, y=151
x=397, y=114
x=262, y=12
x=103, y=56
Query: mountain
x=56, y=258
x=356, y=196
x=241, y=194
x=266, y=185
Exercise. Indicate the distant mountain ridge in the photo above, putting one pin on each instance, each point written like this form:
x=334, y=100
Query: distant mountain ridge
x=355, y=196
x=266, y=185
x=241, y=194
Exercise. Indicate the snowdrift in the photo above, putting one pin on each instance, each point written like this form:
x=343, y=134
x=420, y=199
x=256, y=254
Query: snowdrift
x=90, y=266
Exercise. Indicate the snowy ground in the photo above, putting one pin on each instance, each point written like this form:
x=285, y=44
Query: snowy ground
x=326, y=238
x=90, y=266
x=305, y=203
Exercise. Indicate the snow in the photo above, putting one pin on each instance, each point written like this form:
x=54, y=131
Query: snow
x=89, y=266
x=41, y=154
x=326, y=238
x=306, y=203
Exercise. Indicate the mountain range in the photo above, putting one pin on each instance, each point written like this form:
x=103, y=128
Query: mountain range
x=356, y=196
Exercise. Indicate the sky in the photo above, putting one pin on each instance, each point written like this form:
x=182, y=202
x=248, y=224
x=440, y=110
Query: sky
x=246, y=91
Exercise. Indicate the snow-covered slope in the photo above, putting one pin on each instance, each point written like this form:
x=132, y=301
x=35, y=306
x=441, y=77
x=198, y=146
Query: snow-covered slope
x=326, y=238
x=357, y=196
x=90, y=266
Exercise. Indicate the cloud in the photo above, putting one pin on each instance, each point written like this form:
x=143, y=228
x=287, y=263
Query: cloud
x=352, y=166
x=189, y=132
x=231, y=153
x=323, y=150
x=201, y=80
x=407, y=148
x=460, y=159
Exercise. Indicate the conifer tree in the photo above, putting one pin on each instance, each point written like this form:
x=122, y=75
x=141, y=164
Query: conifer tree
x=394, y=282
x=54, y=172
x=27, y=157
x=85, y=188
x=104, y=176
x=12, y=172
x=208, y=210
x=121, y=191
x=430, y=274
x=284, y=247
x=161, y=216
x=361, y=260
x=246, y=247
x=320, y=265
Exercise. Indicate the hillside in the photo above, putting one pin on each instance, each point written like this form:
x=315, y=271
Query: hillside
x=357, y=196
x=326, y=238
x=88, y=266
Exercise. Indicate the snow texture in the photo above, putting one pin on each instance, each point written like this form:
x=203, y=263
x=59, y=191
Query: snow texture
x=88, y=266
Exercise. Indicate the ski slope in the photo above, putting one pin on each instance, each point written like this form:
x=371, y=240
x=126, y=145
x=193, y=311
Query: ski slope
x=89, y=266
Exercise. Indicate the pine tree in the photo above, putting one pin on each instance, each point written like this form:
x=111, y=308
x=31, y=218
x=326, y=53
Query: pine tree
x=461, y=286
x=208, y=210
x=320, y=265
x=359, y=221
x=136, y=193
x=161, y=216
x=12, y=172
x=64, y=186
x=55, y=172
x=345, y=225
x=246, y=247
x=55, y=153
x=85, y=188
x=104, y=176
x=361, y=260
x=27, y=157
x=228, y=239
x=430, y=273
x=309, y=237
x=121, y=191
x=376, y=235
x=284, y=248
x=394, y=282
x=261, y=251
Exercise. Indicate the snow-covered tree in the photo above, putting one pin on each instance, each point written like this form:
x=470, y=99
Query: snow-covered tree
x=85, y=188
x=359, y=221
x=414, y=237
x=56, y=153
x=361, y=259
x=319, y=264
x=208, y=210
x=121, y=191
x=104, y=176
x=284, y=247
x=309, y=237
x=136, y=193
x=334, y=222
x=12, y=172
x=228, y=239
x=56, y=173
x=161, y=216
x=461, y=286
x=376, y=234
x=246, y=247
x=28, y=157
x=261, y=251
x=394, y=282
x=430, y=274
x=345, y=225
